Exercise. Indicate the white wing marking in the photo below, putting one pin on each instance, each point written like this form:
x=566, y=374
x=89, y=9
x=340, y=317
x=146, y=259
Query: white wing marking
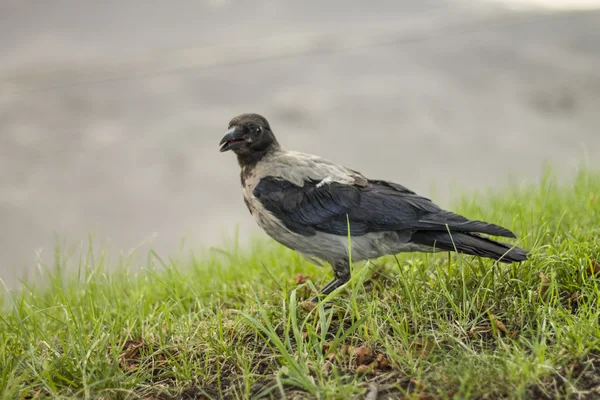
x=324, y=181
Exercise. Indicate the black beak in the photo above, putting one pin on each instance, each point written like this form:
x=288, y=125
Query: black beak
x=233, y=139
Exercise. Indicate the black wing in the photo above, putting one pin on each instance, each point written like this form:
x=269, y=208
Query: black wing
x=378, y=206
x=304, y=209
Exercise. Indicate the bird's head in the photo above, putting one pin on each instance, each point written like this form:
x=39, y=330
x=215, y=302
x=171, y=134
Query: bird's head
x=249, y=136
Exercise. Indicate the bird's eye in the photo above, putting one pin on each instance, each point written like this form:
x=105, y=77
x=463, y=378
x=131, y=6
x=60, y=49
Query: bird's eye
x=258, y=130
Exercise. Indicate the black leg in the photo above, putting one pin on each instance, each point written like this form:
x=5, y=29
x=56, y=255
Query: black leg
x=341, y=271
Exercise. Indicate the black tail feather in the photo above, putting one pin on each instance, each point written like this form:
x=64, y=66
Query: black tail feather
x=472, y=244
x=459, y=223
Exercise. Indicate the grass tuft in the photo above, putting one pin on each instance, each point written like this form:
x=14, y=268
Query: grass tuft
x=228, y=324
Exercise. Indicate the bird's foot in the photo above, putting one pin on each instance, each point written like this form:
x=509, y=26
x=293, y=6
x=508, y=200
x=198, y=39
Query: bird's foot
x=330, y=287
x=341, y=271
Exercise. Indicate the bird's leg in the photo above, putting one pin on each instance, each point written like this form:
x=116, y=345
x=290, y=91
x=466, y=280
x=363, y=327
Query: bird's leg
x=341, y=271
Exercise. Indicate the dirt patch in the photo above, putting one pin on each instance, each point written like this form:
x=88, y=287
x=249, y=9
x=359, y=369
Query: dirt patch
x=579, y=379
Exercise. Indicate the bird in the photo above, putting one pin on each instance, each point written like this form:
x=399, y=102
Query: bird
x=312, y=205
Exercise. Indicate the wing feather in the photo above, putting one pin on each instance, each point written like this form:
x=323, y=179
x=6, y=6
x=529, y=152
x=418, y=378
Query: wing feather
x=377, y=206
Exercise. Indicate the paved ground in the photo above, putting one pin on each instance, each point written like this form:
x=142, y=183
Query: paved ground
x=111, y=112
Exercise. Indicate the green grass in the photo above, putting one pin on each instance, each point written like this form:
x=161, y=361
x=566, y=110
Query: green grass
x=228, y=324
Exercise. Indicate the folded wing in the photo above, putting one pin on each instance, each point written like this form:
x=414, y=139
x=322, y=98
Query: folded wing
x=375, y=207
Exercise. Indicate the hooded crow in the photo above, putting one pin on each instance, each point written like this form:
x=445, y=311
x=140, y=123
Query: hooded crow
x=308, y=204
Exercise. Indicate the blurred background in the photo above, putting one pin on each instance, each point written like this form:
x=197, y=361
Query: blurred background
x=111, y=112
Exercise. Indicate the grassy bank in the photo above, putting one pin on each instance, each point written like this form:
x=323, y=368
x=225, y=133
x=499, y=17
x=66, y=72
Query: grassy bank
x=228, y=324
